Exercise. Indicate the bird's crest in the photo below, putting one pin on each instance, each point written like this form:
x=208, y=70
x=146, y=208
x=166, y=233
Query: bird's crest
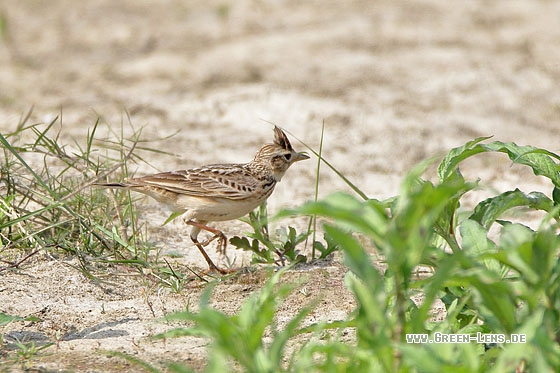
x=281, y=139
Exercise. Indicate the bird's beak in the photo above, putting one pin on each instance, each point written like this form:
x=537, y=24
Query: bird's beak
x=300, y=157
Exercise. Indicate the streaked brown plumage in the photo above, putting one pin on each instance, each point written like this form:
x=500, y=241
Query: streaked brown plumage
x=219, y=192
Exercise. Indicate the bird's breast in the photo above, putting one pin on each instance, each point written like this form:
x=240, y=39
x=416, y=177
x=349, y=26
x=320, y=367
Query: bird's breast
x=221, y=209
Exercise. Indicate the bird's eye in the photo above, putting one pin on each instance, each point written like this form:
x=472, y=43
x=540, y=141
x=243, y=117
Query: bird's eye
x=288, y=156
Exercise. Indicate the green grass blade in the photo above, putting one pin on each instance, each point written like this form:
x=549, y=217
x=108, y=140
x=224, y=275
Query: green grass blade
x=133, y=360
x=369, y=217
x=16, y=154
x=334, y=169
x=317, y=172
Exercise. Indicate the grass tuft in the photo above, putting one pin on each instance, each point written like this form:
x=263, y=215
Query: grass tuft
x=52, y=208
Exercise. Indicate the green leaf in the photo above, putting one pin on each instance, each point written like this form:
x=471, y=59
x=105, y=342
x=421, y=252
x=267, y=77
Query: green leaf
x=541, y=161
x=532, y=352
x=243, y=243
x=332, y=246
x=556, y=195
x=457, y=155
x=368, y=217
x=355, y=256
x=516, y=242
x=476, y=244
x=494, y=299
x=489, y=210
x=173, y=216
x=6, y=319
x=421, y=210
x=241, y=337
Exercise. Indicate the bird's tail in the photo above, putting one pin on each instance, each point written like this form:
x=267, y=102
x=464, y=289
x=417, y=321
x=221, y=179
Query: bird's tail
x=111, y=185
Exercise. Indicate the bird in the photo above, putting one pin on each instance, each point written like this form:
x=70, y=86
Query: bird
x=218, y=192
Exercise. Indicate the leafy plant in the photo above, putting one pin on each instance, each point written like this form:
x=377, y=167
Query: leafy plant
x=6, y=319
x=24, y=351
x=284, y=246
x=27, y=351
x=505, y=287
x=240, y=338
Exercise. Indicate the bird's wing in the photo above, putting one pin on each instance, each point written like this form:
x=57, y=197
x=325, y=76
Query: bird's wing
x=227, y=181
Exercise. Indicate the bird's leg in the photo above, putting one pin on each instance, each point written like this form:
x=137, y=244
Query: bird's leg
x=197, y=226
x=222, y=239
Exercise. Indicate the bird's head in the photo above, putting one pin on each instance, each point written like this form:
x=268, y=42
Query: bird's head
x=278, y=156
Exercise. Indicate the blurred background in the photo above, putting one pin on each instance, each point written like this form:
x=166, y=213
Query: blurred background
x=393, y=81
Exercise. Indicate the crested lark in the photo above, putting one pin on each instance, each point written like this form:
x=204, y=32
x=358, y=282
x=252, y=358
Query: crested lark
x=218, y=192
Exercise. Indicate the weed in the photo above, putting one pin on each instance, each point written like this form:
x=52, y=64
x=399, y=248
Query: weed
x=504, y=288
x=240, y=337
x=284, y=246
x=25, y=352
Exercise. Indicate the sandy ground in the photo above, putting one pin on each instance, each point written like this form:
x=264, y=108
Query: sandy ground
x=393, y=81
